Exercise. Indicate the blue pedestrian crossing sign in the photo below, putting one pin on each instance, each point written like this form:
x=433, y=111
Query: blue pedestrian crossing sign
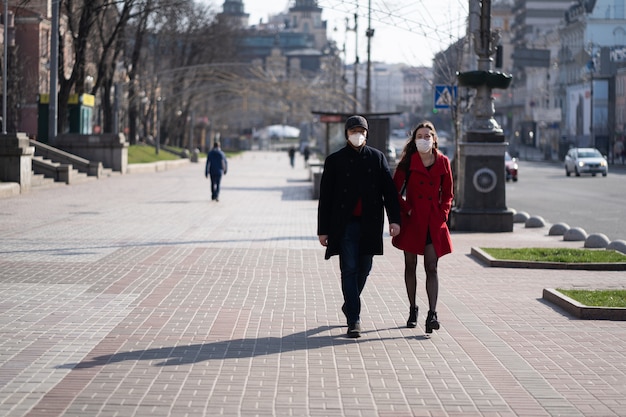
x=445, y=96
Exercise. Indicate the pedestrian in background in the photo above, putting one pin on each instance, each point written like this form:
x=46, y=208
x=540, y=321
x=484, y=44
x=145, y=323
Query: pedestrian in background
x=356, y=185
x=423, y=179
x=216, y=166
x=306, y=153
x=292, y=156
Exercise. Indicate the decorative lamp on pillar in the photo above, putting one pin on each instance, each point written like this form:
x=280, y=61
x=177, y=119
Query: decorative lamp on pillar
x=480, y=203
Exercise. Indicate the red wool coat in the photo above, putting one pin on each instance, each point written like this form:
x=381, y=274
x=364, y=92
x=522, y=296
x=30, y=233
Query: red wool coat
x=429, y=199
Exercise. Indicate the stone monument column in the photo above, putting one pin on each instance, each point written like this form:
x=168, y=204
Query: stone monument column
x=480, y=204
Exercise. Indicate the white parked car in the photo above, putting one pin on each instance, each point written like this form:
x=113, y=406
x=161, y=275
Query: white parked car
x=585, y=161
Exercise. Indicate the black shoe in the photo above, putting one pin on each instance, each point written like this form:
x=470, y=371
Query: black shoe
x=412, y=321
x=431, y=322
x=354, y=330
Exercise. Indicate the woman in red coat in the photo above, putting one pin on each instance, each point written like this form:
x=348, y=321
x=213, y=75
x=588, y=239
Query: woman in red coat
x=424, y=180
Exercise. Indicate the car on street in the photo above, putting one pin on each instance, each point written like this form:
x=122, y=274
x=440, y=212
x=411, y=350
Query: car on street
x=510, y=167
x=392, y=153
x=585, y=161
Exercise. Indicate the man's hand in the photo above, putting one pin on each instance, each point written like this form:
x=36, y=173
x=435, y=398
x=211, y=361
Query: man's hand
x=323, y=240
x=394, y=229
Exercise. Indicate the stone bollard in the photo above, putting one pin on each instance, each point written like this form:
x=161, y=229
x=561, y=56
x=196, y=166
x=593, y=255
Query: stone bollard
x=195, y=155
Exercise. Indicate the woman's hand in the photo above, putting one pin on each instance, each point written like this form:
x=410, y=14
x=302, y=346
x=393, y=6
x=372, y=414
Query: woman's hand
x=323, y=239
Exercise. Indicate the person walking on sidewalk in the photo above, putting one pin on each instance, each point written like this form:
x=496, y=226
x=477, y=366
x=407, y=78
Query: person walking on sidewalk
x=423, y=179
x=216, y=166
x=356, y=185
x=292, y=156
x=306, y=153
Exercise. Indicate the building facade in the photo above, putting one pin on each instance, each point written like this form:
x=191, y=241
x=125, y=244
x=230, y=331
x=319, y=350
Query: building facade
x=29, y=74
x=592, y=34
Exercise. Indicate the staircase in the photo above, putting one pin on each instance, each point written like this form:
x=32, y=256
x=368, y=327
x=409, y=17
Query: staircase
x=52, y=166
x=57, y=172
x=41, y=181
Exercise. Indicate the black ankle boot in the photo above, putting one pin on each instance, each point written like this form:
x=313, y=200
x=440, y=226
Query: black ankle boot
x=412, y=321
x=431, y=322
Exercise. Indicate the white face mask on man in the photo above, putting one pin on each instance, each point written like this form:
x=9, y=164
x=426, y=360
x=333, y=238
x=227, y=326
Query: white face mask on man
x=357, y=139
x=424, y=145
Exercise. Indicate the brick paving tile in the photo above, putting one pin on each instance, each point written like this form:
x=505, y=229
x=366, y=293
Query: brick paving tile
x=137, y=295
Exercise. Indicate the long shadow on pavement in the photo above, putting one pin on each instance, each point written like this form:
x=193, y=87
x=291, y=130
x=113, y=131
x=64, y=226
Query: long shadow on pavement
x=227, y=349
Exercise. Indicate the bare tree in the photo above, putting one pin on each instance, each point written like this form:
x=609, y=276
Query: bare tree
x=187, y=49
x=99, y=36
x=181, y=57
x=79, y=17
x=136, y=35
x=446, y=66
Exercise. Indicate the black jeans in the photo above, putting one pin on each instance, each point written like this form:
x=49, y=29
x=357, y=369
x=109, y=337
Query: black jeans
x=355, y=267
x=216, y=179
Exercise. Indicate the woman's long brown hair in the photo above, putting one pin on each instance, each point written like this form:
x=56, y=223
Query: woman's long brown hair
x=410, y=148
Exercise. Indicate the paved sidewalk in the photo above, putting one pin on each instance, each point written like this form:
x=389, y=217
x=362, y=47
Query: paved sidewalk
x=137, y=295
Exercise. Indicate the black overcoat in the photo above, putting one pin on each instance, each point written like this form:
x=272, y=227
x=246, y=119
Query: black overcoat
x=349, y=174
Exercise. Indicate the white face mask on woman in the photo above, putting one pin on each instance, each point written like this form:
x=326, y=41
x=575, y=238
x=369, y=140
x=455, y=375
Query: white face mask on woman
x=357, y=139
x=424, y=145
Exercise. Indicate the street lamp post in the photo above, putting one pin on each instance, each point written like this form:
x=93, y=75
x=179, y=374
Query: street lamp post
x=157, y=142
x=592, y=136
x=481, y=200
x=4, y=67
x=369, y=33
x=54, y=73
x=192, y=119
x=591, y=67
x=356, y=59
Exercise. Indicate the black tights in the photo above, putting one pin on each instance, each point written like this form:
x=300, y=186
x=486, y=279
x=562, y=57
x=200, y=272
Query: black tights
x=432, y=280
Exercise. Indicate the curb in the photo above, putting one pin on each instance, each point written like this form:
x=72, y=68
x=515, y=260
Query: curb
x=582, y=311
x=499, y=263
x=9, y=189
x=561, y=300
x=158, y=166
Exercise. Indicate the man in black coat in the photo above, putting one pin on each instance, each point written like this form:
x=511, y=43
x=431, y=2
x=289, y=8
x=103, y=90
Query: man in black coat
x=356, y=185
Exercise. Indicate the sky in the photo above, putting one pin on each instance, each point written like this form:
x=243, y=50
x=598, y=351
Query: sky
x=405, y=31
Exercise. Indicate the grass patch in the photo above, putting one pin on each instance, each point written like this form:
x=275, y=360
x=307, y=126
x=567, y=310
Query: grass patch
x=594, y=298
x=597, y=298
x=141, y=154
x=556, y=255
